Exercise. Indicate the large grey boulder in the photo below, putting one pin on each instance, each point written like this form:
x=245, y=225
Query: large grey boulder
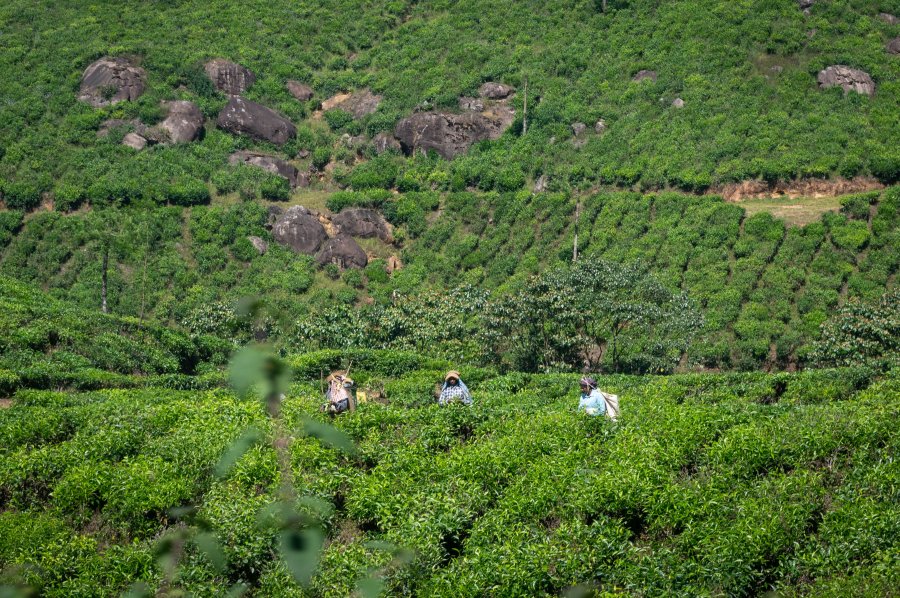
x=301, y=91
x=184, y=122
x=229, y=77
x=269, y=163
x=849, y=79
x=495, y=91
x=243, y=117
x=893, y=46
x=643, y=75
x=364, y=223
x=342, y=251
x=360, y=103
x=678, y=103
x=110, y=81
x=299, y=229
x=578, y=129
x=888, y=18
x=447, y=134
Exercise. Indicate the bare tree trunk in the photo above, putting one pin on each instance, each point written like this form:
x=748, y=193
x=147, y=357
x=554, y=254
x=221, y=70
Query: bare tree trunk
x=604, y=5
x=104, y=307
x=525, y=110
x=575, y=243
x=143, y=286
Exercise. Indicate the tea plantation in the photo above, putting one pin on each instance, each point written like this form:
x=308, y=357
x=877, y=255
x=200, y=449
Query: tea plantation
x=207, y=208
x=745, y=72
x=764, y=288
x=730, y=484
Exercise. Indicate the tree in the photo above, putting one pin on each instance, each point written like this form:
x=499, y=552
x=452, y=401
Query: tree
x=592, y=314
x=862, y=333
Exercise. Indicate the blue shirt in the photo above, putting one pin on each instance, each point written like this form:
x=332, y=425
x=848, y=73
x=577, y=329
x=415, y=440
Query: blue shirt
x=593, y=403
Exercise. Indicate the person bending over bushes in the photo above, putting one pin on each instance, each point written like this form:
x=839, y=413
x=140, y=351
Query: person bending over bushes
x=594, y=401
x=454, y=390
x=339, y=394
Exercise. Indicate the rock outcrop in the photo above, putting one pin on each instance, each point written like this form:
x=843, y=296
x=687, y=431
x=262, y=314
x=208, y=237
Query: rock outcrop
x=110, y=81
x=301, y=91
x=888, y=18
x=578, y=129
x=643, y=75
x=849, y=79
x=384, y=142
x=471, y=104
x=244, y=117
x=678, y=103
x=184, y=122
x=342, y=251
x=495, y=91
x=229, y=77
x=272, y=164
x=600, y=126
x=134, y=141
x=300, y=229
x=364, y=223
x=447, y=134
x=893, y=46
x=259, y=244
x=272, y=216
x=359, y=103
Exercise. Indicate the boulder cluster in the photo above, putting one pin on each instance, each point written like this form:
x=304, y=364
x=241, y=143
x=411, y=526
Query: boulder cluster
x=450, y=134
x=111, y=80
x=307, y=232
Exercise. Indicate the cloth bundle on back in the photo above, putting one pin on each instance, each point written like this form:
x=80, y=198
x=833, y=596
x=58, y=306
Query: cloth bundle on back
x=339, y=393
x=594, y=401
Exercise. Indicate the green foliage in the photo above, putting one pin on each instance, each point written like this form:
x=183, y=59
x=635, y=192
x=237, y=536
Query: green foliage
x=48, y=344
x=21, y=195
x=862, y=333
x=10, y=222
x=338, y=119
x=419, y=57
x=321, y=156
x=345, y=199
x=595, y=313
x=731, y=483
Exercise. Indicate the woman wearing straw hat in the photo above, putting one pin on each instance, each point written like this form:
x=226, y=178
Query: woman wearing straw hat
x=454, y=390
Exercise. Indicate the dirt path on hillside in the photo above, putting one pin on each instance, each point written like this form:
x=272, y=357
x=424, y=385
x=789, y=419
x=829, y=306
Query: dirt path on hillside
x=814, y=188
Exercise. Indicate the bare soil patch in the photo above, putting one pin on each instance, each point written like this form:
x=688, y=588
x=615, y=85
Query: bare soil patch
x=5, y=403
x=811, y=188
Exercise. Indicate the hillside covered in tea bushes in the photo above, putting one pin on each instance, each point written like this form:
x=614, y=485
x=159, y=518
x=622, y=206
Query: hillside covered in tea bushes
x=762, y=288
x=708, y=484
x=46, y=343
x=660, y=94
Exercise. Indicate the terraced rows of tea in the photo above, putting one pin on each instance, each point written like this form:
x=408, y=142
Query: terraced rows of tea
x=708, y=484
x=764, y=288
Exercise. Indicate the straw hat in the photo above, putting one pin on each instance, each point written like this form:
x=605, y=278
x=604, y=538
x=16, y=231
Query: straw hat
x=451, y=374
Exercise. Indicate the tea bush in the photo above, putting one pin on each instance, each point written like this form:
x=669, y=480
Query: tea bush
x=733, y=483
